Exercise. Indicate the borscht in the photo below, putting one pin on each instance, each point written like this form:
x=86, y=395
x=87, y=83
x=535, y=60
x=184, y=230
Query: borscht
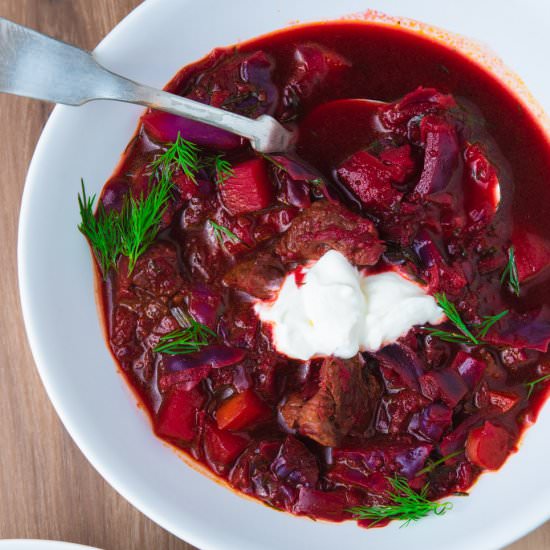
x=355, y=329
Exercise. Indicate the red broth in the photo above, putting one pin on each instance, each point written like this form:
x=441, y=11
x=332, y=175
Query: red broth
x=228, y=405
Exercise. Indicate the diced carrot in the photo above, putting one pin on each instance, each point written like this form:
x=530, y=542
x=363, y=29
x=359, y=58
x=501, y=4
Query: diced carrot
x=177, y=416
x=488, y=446
x=241, y=411
x=248, y=189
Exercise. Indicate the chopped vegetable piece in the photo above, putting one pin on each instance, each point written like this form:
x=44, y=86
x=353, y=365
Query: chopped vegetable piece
x=241, y=411
x=406, y=505
x=221, y=447
x=177, y=417
x=488, y=446
x=248, y=189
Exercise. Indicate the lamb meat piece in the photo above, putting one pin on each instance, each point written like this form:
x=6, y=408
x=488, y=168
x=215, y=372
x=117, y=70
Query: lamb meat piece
x=330, y=226
x=343, y=400
x=259, y=275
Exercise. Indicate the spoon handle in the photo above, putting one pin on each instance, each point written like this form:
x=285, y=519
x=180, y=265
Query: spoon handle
x=38, y=66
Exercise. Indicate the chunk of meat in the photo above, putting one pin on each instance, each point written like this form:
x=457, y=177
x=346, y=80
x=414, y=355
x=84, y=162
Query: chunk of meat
x=157, y=271
x=343, y=399
x=260, y=275
x=330, y=226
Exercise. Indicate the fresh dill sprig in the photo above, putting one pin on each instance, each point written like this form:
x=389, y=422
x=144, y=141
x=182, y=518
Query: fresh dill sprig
x=140, y=220
x=434, y=464
x=531, y=385
x=128, y=232
x=222, y=169
x=451, y=312
x=510, y=273
x=190, y=339
x=220, y=231
x=488, y=321
x=102, y=231
x=183, y=155
x=464, y=334
x=406, y=505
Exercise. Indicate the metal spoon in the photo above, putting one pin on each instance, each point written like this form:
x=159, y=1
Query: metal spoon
x=38, y=66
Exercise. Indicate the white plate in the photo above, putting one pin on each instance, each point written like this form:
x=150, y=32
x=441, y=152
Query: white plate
x=34, y=544
x=62, y=323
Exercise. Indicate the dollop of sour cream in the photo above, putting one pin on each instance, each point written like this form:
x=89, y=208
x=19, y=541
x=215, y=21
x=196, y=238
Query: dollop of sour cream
x=333, y=309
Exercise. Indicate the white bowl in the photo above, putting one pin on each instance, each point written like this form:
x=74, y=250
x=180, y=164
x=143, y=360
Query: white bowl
x=55, y=274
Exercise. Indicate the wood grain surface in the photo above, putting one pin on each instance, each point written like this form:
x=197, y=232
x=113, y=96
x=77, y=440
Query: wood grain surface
x=47, y=488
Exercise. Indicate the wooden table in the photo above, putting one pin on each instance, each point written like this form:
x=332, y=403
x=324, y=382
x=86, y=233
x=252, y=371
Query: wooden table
x=47, y=488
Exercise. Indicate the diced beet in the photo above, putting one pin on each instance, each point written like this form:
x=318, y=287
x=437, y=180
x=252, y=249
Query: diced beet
x=400, y=162
x=321, y=504
x=221, y=448
x=470, y=368
x=431, y=423
x=165, y=128
x=488, y=446
x=248, y=189
x=502, y=400
x=446, y=385
x=370, y=180
x=532, y=253
x=295, y=464
x=441, y=156
x=177, y=416
x=241, y=411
